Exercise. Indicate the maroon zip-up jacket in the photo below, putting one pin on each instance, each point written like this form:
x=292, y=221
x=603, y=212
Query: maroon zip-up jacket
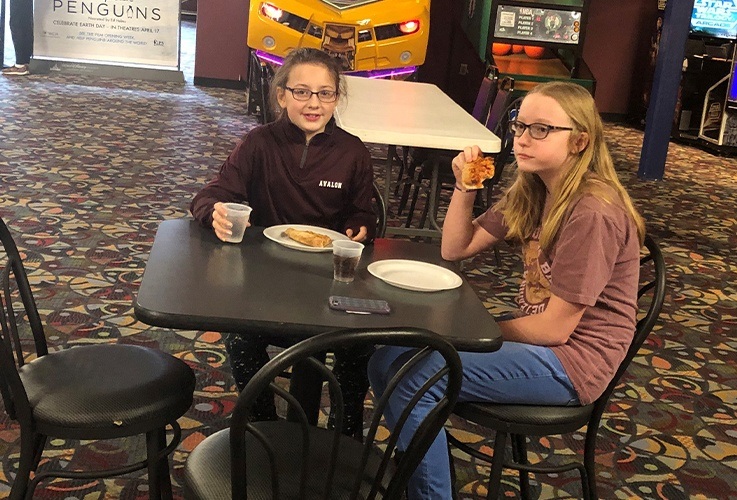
x=326, y=182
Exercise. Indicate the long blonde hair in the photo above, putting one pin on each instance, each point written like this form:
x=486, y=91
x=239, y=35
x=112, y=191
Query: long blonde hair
x=590, y=172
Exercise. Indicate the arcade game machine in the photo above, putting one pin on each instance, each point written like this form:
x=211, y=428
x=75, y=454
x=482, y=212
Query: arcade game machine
x=706, y=111
x=537, y=41
x=718, y=126
x=373, y=38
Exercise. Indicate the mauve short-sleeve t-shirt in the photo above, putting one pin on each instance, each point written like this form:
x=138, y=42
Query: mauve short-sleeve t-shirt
x=593, y=262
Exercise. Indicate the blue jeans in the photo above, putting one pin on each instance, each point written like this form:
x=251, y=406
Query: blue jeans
x=516, y=373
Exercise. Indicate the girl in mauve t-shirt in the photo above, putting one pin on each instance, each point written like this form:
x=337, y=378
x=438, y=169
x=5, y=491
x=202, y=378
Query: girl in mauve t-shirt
x=580, y=237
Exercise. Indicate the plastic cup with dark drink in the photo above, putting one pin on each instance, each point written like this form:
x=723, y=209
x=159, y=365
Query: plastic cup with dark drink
x=346, y=255
x=238, y=215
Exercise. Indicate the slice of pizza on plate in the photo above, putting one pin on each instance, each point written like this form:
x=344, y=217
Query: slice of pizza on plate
x=309, y=238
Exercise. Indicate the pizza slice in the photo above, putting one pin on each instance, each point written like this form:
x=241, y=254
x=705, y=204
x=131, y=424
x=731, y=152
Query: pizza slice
x=476, y=172
x=309, y=238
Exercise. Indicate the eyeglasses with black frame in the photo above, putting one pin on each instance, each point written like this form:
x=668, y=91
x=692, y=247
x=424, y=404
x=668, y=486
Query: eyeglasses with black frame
x=538, y=131
x=324, y=95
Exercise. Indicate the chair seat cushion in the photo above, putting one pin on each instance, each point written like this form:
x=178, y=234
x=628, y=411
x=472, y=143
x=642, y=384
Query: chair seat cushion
x=207, y=471
x=106, y=390
x=526, y=419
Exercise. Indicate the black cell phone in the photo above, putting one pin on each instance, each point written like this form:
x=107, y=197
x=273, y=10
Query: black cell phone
x=359, y=306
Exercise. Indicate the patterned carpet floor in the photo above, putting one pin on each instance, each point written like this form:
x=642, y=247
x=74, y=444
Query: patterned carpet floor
x=89, y=167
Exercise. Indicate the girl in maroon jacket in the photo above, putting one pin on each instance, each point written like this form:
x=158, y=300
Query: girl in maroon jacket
x=300, y=169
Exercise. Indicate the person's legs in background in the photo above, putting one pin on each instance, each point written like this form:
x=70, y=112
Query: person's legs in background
x=517, y=373
x=350, y=370
x=247, y=355
x=21, y=29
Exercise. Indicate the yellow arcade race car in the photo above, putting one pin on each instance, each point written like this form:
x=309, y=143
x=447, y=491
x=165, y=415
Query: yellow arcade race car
x=365, y=35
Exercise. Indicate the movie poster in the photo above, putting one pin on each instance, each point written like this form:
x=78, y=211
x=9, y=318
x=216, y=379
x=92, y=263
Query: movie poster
x=123, y=32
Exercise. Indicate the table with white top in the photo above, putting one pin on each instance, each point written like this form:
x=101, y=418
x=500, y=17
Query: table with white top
x=406, y=113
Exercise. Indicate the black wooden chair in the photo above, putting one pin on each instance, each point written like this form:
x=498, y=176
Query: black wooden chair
x=293, y=460
x=528, y=420
x=101, y=391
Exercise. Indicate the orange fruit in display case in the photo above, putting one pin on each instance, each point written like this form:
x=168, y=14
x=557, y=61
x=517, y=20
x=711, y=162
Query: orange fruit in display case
x=534, y=51
x=500, y=49
x=518, y=49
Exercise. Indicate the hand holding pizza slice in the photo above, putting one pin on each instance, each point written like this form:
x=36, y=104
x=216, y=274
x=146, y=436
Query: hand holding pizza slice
x=476, y=172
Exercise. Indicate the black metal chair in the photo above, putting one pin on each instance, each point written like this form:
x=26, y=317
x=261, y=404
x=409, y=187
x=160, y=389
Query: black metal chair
x=528, y=420
x=485, y=99
x=260, y=74
x=293, y=460
x=497, y=120
x=499, y=124
x=101, y=391
x=380, y=210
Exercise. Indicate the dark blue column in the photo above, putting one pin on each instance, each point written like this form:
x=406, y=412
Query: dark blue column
x=664, y=93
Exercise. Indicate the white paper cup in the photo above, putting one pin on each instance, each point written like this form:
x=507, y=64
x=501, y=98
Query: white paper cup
x=346, y=255
x=238, y=215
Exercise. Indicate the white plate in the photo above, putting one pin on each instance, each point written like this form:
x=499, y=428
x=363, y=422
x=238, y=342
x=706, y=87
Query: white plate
x=415, y=275
x=276, y=233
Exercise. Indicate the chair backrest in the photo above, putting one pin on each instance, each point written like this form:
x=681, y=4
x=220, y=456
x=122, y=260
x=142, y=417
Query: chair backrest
x=263, y=73
x=499, y=107
x=502, y=158
x=501, y=129
x=18, y=314
x=377, y=474
x=486, y=95
x=651, y=294
x=380, y=211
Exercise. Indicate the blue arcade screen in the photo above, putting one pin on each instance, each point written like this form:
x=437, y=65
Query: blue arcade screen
x=714, y=19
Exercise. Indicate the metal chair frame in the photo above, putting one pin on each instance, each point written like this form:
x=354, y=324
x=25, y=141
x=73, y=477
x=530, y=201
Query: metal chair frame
x=447, y=178
x=380, y=208
x=19, y=316
x=494, y=114
x=260, y=74
x=377, y=472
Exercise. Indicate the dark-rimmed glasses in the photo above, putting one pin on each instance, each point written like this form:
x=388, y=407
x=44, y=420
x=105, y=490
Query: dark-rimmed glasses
x=306, y=94
x=538, y=131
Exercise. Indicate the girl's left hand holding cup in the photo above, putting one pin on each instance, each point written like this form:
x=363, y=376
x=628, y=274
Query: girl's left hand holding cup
x=220, y=223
